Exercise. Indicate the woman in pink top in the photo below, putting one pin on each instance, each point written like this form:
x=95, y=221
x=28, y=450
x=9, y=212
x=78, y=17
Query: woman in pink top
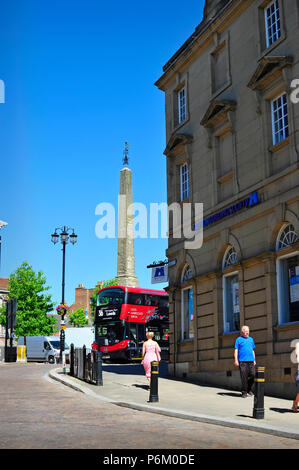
x=150, y=352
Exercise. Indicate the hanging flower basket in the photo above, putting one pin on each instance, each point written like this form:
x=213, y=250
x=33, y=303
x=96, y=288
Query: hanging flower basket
x=62, y=309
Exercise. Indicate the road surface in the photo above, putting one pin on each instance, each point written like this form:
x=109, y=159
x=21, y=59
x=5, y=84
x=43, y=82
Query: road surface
x=37, y=413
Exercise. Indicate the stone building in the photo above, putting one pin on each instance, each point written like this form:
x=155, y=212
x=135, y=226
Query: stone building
x=233, y=144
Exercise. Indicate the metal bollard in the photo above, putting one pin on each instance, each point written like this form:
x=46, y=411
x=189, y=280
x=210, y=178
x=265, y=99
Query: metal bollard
x=99, y=368
x=154, y=382
x=72, y=358
x=84, y=362
x=63, y=362
x=258, y=406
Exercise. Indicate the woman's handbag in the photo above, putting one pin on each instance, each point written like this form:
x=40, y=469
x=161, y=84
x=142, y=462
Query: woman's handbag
x=296, y=377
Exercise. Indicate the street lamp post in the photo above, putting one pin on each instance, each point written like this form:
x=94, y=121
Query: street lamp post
x=64, y=234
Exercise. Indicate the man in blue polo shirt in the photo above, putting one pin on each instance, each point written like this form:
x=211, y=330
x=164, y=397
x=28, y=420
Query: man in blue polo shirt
x=245, y=359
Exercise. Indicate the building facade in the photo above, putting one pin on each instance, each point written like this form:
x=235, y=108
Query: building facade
x=82, y=300
x=232, y=133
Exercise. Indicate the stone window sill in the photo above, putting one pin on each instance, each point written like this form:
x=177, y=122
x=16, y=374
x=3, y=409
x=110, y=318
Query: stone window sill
x=279, y=145
x=177, y=126
x=273, y=46
x=287, y=326
x=218, y=92
x=230, y=333
x=228, y=176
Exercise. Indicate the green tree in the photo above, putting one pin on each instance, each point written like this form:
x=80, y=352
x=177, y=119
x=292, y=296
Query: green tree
x=30, y=290
x=2, y=316
x=78, y=318
x=100, y=285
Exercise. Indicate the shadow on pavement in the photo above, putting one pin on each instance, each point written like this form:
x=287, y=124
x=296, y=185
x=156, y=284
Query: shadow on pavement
x=238, y=395
x=281, y=410
x=144, y=387
x=133, y=369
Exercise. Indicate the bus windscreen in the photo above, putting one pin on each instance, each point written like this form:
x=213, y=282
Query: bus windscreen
x=113, y=331
x=111, y=297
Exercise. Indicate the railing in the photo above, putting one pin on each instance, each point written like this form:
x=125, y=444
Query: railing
x=86, y=364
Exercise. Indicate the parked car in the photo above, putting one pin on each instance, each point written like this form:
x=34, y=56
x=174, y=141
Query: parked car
x=43, y=348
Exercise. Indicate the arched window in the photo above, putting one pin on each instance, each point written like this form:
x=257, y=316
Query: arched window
x=231, y=306
x=186, y=274
x=187, y=311
x=286, y=237
x=229, y=258
x=287, y=276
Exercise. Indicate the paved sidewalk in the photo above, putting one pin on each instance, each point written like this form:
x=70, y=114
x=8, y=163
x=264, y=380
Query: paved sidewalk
x=187, y=400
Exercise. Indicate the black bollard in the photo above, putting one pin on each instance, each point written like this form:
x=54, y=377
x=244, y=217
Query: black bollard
x=72, y=357
x=99, y=368
x=154, y=382
x=84, y=362
x=258, y=406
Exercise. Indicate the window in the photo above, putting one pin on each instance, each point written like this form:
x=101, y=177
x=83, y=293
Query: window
x=111, y=297
x=229, y=258
x=187, y=314
x=287, y=277
x=187, y=274
x=180, y=102
x=184, y=179
x=231, y=304
x=181, y=105
x=272, y=23
x=286, y=237
x=280, y=123
x=288, y=288
x=112, y=331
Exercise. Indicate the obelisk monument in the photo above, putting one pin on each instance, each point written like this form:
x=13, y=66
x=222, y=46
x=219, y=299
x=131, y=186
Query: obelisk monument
x=125, y=255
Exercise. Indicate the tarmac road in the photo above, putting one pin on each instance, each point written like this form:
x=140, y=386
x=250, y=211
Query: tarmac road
x=37, y=413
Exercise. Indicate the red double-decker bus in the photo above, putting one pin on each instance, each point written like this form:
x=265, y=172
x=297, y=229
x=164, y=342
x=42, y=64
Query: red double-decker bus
x=122, y=317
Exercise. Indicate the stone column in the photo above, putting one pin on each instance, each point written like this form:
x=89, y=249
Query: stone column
x=125, y=256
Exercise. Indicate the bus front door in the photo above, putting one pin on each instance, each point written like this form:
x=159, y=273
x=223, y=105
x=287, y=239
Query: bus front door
x=137, y=336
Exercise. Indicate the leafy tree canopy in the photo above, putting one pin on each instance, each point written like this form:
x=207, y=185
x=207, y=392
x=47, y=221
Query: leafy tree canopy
x=78, y=318
x=100, y=285
x=30, y=290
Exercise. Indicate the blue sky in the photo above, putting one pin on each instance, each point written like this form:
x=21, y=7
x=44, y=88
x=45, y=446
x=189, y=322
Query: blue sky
x=79, y=82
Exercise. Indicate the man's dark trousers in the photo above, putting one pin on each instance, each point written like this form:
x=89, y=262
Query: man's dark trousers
x=247, y=372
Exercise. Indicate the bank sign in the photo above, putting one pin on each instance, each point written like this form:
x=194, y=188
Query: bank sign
x=160, y=274
x=246, y=203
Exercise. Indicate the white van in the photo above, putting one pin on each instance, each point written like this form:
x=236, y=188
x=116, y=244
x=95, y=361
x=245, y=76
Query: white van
x=43, y=348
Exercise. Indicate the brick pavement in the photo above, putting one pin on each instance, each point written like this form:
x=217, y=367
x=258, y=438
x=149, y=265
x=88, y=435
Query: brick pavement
x=187, y=400
x=40, y=413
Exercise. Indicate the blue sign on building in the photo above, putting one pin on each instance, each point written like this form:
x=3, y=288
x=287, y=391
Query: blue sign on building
x=246, y=203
